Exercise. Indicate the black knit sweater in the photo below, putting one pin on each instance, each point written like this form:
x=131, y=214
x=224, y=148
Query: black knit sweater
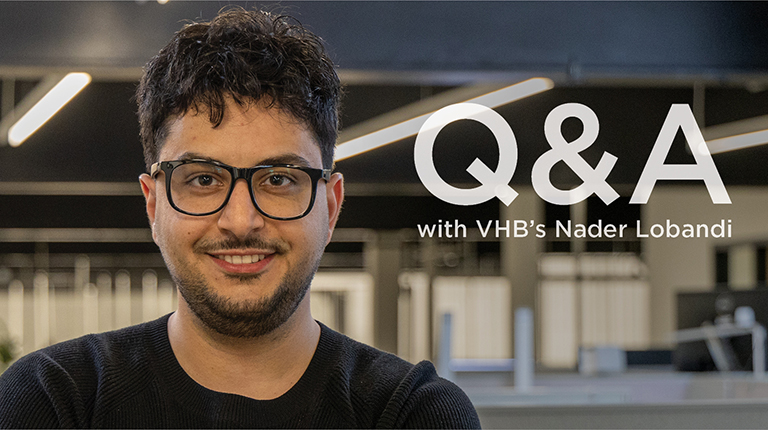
x=130, y=378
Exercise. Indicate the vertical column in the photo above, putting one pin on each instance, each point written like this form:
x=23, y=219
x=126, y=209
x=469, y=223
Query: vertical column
x=106, y=303
x=83, y=294
x=90, y=309
x=443, y=361
x=8, y=100
x=43, y=302
x=82, y=272
x=16, y=314
x=429, y=253
x=579, y=216
x=579, y=245
x=42, y=323
x=122, y=299
x=149, y=296
x=520, y=256
x=53, y=323
x=382, y=260
x=524, y=358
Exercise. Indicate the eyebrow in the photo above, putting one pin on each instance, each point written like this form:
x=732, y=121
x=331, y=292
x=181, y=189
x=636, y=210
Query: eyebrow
x=293, y=159
x=194, y=156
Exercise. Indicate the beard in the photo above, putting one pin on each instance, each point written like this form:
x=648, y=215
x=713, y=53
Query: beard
x=250, y=318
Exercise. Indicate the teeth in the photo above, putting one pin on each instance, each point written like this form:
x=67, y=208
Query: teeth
x=241, y=259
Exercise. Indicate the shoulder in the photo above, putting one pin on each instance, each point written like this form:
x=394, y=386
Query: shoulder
x=57, y=386
x=399, y=394
x=422, y=399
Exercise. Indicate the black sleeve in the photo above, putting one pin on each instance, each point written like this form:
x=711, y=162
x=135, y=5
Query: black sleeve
x=424, y=400
x=35, y=392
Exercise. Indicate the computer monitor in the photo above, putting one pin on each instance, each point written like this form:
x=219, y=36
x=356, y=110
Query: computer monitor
x=693, y=309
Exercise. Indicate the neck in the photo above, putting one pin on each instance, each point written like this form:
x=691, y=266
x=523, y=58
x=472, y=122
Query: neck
x=261, y=368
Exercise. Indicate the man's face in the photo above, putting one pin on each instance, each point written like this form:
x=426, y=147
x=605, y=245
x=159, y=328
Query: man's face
x=241, y=273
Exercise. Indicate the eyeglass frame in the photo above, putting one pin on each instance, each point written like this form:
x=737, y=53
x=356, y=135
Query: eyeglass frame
x=245, y=173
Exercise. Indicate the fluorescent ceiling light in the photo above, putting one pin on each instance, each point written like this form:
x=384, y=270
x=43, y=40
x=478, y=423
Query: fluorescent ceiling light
x=410, y=127
x=730, y=136
x=47, y=107
x=739, y=141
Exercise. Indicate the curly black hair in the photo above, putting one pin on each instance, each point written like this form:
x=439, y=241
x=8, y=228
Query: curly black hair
x=249, y=56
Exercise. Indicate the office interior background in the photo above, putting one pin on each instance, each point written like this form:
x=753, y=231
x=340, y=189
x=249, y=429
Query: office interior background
x=608, y=315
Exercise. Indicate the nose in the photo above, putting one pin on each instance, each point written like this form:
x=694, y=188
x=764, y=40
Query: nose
x=240, y=217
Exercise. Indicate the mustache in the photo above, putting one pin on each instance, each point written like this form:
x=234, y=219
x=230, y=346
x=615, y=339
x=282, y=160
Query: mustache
x=255, y=242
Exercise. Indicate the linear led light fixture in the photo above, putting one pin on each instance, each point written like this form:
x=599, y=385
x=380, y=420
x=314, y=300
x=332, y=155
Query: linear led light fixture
x=49, y=104
x=411, y=127
x=739, y=141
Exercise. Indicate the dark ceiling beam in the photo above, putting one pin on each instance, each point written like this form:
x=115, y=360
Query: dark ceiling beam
x=462, y=41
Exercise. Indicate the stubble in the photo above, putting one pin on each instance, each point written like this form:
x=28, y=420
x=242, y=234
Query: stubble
x=243, y=319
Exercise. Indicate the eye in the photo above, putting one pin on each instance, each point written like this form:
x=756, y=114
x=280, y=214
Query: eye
x=278, y=180
x=204, y=181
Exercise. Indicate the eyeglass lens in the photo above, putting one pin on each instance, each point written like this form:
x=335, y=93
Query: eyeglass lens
x=280, y=192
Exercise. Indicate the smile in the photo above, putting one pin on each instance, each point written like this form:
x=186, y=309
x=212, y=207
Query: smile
x=241, y=259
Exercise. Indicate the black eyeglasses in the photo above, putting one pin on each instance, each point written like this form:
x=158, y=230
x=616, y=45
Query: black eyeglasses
x=203, y=187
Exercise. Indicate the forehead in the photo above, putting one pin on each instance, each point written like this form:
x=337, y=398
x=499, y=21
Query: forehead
x=246, y=137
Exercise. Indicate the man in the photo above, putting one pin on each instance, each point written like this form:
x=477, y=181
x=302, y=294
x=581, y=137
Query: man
x=238, y=121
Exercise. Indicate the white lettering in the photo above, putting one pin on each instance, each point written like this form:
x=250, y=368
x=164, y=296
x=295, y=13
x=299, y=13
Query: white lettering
x=680, y=117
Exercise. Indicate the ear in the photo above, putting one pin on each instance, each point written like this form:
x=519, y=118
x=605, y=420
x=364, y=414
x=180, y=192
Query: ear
x=334, y=192
x=148, y=189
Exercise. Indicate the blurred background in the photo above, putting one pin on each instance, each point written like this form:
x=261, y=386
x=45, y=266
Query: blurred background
x=614, y=337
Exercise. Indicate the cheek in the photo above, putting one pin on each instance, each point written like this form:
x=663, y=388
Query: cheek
x=319, y=212
x=305, y=236
x=172, y=229
x=162, y=231
x=317, y=231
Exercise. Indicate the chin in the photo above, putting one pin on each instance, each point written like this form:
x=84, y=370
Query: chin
x=250, y=317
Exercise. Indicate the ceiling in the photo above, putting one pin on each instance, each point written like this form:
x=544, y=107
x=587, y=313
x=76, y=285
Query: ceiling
x=627, y=61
